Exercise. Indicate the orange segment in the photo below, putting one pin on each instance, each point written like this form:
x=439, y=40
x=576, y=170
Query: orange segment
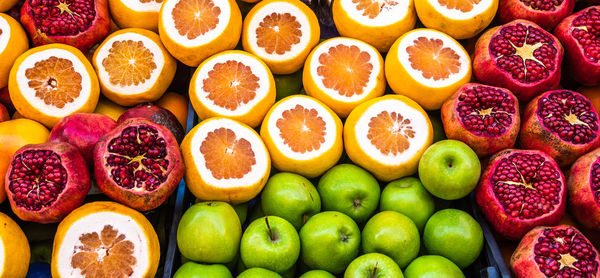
x=230, y=84
x=390, y=132
x=194, y=18
x=129, y=63
x=226, y=156
x=55, y=81
x=345, y=69
x=430, y=57
x=277, y=33
x=461, y=5
x=372, y=8
x=461, y=19
x=303, y=130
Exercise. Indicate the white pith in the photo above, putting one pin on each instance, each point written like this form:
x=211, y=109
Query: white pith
x=281, y=8
x=417, y=119
x=258, y=170
x=478, y=9
x=324, y=48
x=257, y=68
x=136, y=5
x=5, y=36
x=463, y=59
x=308, y=103
x=386, y=17
x=95, y=222
x=2, y=255
x=172, y=32
x=29, y=93
x=158, y=59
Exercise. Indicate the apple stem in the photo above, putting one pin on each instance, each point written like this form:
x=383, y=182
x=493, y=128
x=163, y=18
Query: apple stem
x=374, y=270
x=269, y=227
x=304, y=219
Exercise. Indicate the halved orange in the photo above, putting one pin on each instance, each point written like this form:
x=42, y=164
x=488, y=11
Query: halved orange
x=193, y=30
x=461, y=19
x=282, y=33
x=133, y=67
x=14, y=249
x=136, y=13
x=387, y=136
x=377, y=22
x=342, y=73
x=303, y=136
x=225, y=160
x=105, y=239
x=13, y=42
x=233, y=84
x=52, y=81
x=428, y=66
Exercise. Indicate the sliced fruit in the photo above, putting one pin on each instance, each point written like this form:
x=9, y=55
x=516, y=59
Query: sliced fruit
x=303, y=136
x=387, y=136
x=109, y=108
x=14, y=249
x=105, y=239
x=342, y=73
x=225, y=161
x=177, y=104
x=233, y=84
x=13, y=42
x=136, y=13
x=428, y=66
x=281, y=33
x=461, y=19
x=193, y=30
x=133, y=67
x=52, y=81
x=377, y=22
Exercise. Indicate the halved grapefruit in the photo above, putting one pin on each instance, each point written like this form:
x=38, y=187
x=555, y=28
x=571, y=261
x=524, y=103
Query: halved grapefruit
x=303, y=136
x=428, y=66
x=225, y=160
x=461, y=19
x=377, y=22
x=13, y=42
x=193, y=30
x=233, y=84
x=135, y=13
x=281, y=33
x=14, y=249
x=52, y=81
x=342, y=73
x=133, y=67
x=105, y=239
x=387, y=136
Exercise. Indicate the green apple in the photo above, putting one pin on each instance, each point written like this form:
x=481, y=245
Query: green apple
x=409, y=197
x=317, y=274
x=393, y=234
x=194, y=270
x=270, y=242
x=329, y=241
x=373, y=265
x=257, y=272
x=256, y=213
x=242, y=211
x=433, y=266
x=449, y=169
x=437, y=125
x=349, y=189
x=209, y=232
x=292, y=197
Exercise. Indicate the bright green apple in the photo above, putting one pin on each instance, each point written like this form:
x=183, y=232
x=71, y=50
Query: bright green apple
x=317, y=274
x=432, y=266
x=449, y=169
x=257, y=272
x=393, y=234
x=195, y=270
x=242, y=211
x=292, y=197
x=373, y=265
x=409, y=197
x=350, y=189
x=209, y=232
x=329, y=241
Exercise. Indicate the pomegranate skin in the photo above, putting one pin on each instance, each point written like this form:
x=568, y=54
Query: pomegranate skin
x=77, y=186
x=583, y=204
x=581, y=68
x=140, y=198
x=83, y=40
x=82, y=130
x=156, y=114
x=522, y=261
x=487, y=70
x=491, y=206
x=509, y=10
x=536, y=135
x=482, y=144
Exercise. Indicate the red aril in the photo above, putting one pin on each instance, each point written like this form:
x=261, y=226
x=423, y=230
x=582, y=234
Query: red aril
x=545, y=13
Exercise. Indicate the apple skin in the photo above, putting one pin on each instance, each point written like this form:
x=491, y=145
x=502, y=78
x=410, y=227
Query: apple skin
x=329, y=241
x=270, y=242
x=257, y=272
x=209, y=232
x=242, y=211
x=351, y=190
x=432, y=266
x=317, y=274
x=409, y=197
x=392, y=234
x=291, y=197
x=373, y=265
x=449, y=169
x=194, y=270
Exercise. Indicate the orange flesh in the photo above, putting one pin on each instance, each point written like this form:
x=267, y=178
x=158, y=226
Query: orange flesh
x=148, y=1
x=277, y=33
x=430, y=57
x=461, y=5
x=231, y=84
x=390, y=133
x=129, y=63
x=55, y=81
x=372, y=8
x=345, y=69
x=193, y=18
x=303, y=130
x=227, y=157
x=109, y=254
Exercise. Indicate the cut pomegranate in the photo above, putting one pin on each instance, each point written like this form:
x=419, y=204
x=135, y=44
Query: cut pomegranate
x=583, y=186
x=155, y=114
x=521, y=189
x=545, y=13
